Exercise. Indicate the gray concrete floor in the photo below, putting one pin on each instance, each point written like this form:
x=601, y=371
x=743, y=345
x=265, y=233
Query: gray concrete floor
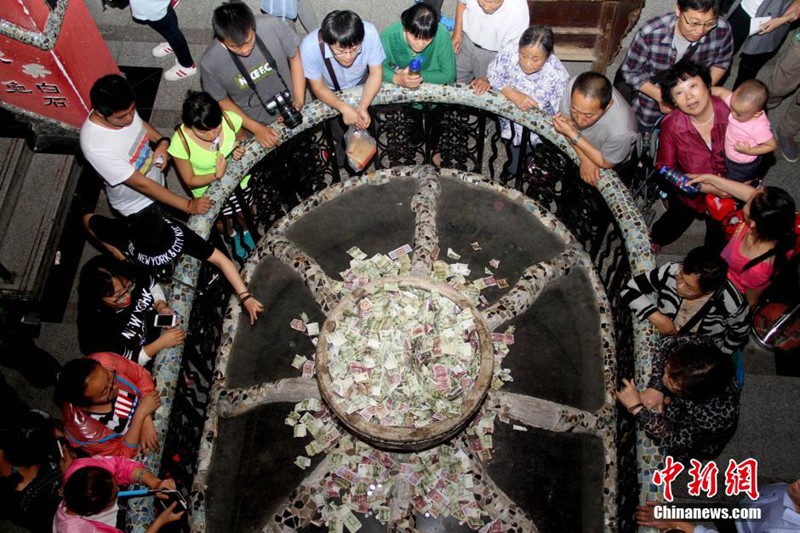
x=769, y=419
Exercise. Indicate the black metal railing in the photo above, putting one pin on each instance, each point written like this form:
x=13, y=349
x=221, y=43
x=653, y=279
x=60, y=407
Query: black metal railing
x=454, y=136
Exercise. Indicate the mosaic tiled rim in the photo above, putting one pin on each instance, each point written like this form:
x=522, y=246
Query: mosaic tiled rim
x=44, y=40
x=621, y=204
x=602, y=422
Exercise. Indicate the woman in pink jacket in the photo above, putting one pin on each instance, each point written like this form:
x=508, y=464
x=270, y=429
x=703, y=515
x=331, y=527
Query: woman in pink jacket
x=90, y=495
x=107, y=402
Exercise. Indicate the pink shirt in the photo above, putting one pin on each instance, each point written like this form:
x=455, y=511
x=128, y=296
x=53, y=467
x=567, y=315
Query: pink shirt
x=755, y=131
x=120, y=467
x=756, y=277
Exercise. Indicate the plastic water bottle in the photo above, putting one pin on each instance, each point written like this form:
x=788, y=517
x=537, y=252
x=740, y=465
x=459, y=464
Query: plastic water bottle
x=415, y=65
x=679, y=180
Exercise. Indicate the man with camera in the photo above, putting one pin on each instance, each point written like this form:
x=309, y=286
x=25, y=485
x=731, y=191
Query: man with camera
x=253, y=68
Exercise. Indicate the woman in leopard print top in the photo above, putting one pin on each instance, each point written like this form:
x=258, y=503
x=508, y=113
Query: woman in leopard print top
x=691, y=404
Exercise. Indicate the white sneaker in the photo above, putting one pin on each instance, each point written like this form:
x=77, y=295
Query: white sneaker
x=177, y=72
x=162, y=50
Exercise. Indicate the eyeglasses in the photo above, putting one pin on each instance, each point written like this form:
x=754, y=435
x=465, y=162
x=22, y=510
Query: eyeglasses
x=695, y=25
x=111, y=386
x=346, y=52
x=108, y=391
x=126, y=290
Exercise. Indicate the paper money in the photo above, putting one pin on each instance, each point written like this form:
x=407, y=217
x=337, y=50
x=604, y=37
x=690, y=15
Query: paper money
x=356, y=253
x=494, y=263
x=399, y=252
x=308, y=369
x=298, y=361
x=302, y=461
x=452, y=255
x=502, y=283
x=298, y=325
x=475, y=246
x=312, y=329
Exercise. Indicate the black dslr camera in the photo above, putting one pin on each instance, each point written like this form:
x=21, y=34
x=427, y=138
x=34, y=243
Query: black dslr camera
x=282, y=103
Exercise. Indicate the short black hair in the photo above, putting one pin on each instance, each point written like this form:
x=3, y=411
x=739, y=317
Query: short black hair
x=681, y=71
x=595, y=86
x=699, y=5
x=420, y=20
x=110, y=94
x=754, y=91
x=201, y=111
x=89, y=490
x=538, y=34
x=342, y=27
x=71, y=385
x=96, y=278
x=711, y=268
x=233, y=22
x=700, y=369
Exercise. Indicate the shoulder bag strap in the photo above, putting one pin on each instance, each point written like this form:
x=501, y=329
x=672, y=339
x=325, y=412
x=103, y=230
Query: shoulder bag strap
x=183, y=140
x=228, y=121
x=699, y=315
x=328, y=64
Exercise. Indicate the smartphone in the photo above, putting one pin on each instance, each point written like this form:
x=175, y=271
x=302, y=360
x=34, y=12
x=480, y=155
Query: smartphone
x=173, y=496
x=166, y=321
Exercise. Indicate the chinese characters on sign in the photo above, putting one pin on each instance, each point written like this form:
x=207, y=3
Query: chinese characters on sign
x=740, y=478
x=44, y=88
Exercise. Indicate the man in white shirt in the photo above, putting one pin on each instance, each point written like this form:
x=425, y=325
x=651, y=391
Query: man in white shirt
x=117, y=143
x=483, y=28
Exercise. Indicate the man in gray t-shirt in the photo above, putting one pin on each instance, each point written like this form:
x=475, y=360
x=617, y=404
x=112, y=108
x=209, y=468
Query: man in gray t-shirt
x=235, y=31
x=598, y=122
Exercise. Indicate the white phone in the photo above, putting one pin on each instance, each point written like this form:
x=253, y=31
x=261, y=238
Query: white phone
x=166, y=321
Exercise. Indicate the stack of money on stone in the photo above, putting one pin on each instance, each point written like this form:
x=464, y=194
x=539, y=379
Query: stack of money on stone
x=405, y=357
x=364, y=270
x=442, y=483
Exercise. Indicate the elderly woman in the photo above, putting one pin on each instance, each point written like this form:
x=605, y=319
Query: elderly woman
x=106, y=402
x=691, y=404
x=692, y=141
x=529, y=75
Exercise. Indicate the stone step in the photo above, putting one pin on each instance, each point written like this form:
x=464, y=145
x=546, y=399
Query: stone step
x=35, y=196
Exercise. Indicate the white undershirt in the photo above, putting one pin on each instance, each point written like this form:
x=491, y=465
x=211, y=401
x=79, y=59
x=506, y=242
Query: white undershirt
x=751, y=6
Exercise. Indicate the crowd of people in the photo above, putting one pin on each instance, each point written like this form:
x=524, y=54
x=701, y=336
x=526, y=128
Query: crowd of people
x=668, y=85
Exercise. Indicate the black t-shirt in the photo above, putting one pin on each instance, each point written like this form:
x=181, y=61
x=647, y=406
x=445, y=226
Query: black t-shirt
x=122, y=331
x=35, y=506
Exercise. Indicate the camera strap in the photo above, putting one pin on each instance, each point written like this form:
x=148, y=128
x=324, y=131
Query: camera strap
x=246, y=75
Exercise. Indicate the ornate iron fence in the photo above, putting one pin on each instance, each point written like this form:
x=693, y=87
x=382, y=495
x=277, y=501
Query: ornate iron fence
x=453, y=135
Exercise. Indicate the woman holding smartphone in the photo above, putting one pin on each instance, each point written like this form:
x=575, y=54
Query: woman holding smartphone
x=118, y=306
x=200, y=147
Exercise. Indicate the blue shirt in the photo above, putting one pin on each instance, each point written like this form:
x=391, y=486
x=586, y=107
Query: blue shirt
x=314, y=66
x=280, y=8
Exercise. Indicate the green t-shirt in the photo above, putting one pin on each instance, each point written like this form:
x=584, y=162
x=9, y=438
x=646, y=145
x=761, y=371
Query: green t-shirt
x=438, y=59
x=203, y=161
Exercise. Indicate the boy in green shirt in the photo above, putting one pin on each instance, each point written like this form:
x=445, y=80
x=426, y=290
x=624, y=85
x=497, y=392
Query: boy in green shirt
x=418, y=35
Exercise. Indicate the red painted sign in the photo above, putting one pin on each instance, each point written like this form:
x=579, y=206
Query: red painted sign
x=52, y=78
